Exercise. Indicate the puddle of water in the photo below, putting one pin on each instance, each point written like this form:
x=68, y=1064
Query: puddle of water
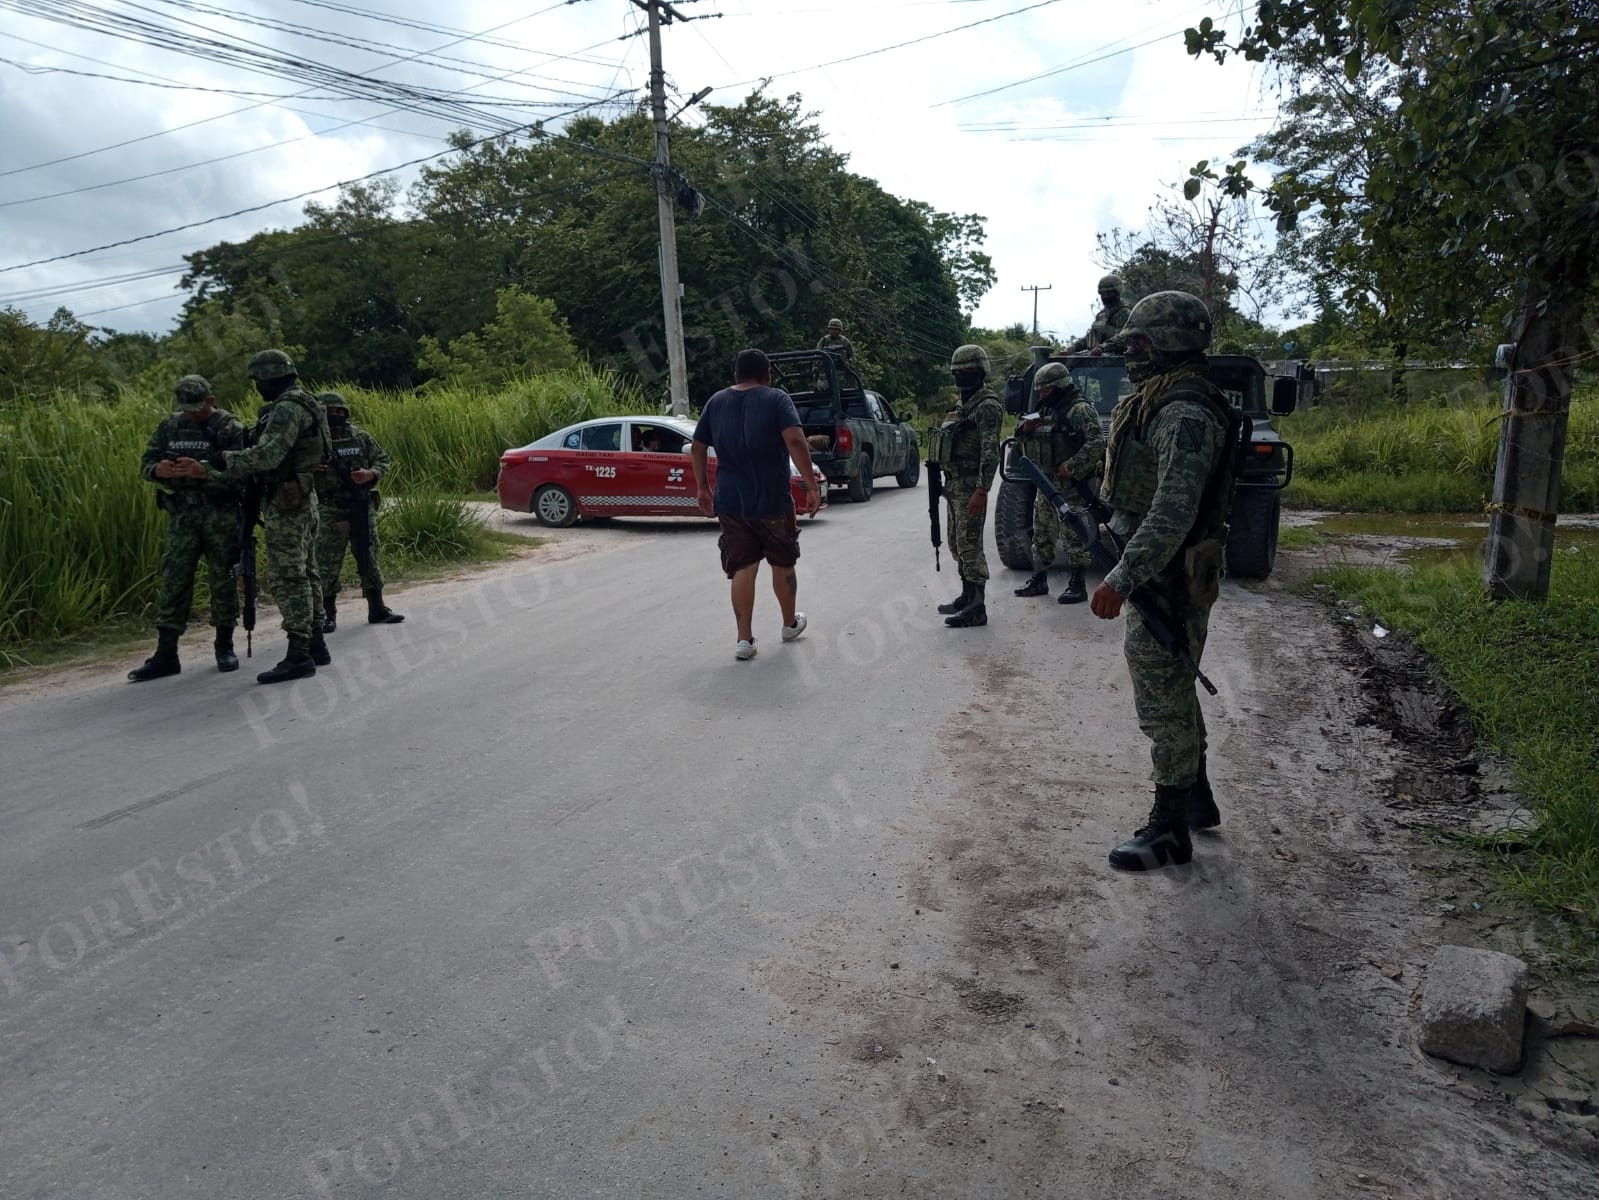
x=1421, y=537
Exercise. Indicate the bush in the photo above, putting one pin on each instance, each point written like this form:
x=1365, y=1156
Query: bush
x=1435, y=457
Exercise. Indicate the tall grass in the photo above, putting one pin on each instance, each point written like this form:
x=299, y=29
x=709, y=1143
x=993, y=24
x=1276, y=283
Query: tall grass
x=450, y=439
x=1528, y=674
x=80, y=535
x=1436, y=457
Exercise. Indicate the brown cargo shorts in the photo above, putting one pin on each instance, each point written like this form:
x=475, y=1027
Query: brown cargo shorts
x=747, y=540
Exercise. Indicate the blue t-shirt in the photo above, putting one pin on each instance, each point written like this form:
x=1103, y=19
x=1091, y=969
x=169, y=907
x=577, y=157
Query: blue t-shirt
x=746, y=428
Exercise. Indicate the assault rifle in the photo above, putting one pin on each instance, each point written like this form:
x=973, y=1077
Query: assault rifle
x=1150, y=606
x=935, y=492
x=244, y=569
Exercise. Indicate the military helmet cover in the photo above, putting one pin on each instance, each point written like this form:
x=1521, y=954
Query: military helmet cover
x=969, y=358
x=1051, y=374
x=333, y=400
x=1173, y=322
x=1111, y=283
x=835, y=323
x=193, y=391
x=271, y=364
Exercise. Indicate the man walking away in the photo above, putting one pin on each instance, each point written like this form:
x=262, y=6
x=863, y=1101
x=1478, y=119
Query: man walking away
x=202, y=519
x=348, y=483
x=755, y=430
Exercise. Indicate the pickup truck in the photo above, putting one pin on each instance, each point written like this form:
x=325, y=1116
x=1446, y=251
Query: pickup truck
x=1257, y=501
x=854, y=433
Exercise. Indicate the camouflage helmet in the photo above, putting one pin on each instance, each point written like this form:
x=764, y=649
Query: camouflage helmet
x=969, y=358
x=193, y=391
x=1111, y=283
x=333, y=400
x=271, y=364
x=1051, y=374
x=835, y=323
x=1174, y=322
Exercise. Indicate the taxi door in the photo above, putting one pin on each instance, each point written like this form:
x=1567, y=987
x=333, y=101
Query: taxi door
x=599, y=471
x=660, y=465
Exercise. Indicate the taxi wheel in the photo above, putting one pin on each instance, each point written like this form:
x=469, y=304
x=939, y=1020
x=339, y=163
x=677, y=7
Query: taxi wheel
x=554, y=506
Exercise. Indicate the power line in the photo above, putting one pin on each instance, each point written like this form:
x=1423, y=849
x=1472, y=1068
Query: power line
x=283, y=200
x=896, y=46
x=1061, y=70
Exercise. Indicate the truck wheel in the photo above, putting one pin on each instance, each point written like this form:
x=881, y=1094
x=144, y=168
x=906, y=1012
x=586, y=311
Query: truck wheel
x=1013, y=524
x=860, y=485
x=1252, y=535
x=911, y=474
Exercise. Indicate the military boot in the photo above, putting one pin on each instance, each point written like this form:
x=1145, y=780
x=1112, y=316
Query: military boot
x=318, y=649
x=1037, y=585
x=378, y=613
x=296, y=664
x=1076, y=590
x=1163, y=841
x=1201, y=803
x=975, y=613
x=227, y=660
x=330, y=613
x=163, y=662
x=961, y=601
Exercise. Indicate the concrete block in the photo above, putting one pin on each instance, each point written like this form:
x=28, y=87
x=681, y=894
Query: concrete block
x=1474, y=1008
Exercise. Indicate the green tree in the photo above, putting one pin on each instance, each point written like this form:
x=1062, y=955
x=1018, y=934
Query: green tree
x=1489, y=158
x=526, y=337
x=38, y=360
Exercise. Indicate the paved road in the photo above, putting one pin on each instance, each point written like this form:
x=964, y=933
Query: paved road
x=541, y=894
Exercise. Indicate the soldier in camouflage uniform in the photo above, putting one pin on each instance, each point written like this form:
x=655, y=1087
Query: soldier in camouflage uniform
x=202, y=519
x=966, y=445
x=1102, y=334
x=1169, y=473
x=290, y=440
x=836, y=343
x=1065, y=438
x=351, y=477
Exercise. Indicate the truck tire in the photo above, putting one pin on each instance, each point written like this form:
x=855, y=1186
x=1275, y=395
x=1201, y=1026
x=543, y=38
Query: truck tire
x=912, y=474
x=1013, y=524
x=1252, y=534
x=860, y=484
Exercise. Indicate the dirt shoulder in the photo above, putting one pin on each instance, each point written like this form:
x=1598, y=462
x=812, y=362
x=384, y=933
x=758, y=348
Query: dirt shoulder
x=1241, y=1027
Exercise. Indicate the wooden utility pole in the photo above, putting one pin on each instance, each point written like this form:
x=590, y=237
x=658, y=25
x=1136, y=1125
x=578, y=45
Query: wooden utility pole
x=1035, y=290
x=671, y=301
x=1532, y=449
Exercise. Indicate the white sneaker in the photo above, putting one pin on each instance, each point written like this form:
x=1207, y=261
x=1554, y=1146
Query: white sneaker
x=744, y=651
x=790, y=632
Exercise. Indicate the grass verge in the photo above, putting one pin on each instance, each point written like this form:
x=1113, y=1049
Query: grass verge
x=1428, y=457
x=1528, y=676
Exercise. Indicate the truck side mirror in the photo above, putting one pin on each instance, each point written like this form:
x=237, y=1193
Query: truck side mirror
x=1284, y=395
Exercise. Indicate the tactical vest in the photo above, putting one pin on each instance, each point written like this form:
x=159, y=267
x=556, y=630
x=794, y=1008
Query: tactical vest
x=1053, y=442
x=182, y=438
x=1136, y=470
x=346, y=453
x=957, y=444
x=293, y=481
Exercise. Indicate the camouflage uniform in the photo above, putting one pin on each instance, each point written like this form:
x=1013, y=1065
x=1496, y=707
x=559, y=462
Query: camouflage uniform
x=1108, y=322
x=837, y=344
x=1070, y=445
x=290, y=441
x=353, y=449
x=202, y=518
x=972, y=432
x=1168, y=479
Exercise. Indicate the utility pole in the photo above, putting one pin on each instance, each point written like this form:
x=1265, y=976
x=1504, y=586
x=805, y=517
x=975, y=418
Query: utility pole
x=677, y=370
x=1035, y=290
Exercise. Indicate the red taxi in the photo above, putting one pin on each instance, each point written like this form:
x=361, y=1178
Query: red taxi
x=630, y=466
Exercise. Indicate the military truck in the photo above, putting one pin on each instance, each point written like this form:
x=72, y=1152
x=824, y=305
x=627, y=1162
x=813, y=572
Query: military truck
x=854, y=433
x=1257, y=498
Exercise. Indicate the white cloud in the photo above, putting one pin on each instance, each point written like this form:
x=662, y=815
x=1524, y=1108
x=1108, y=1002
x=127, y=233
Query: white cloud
x=1045, y=182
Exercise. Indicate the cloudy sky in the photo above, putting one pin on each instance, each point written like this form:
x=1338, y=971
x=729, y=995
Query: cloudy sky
x=1054, y=120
